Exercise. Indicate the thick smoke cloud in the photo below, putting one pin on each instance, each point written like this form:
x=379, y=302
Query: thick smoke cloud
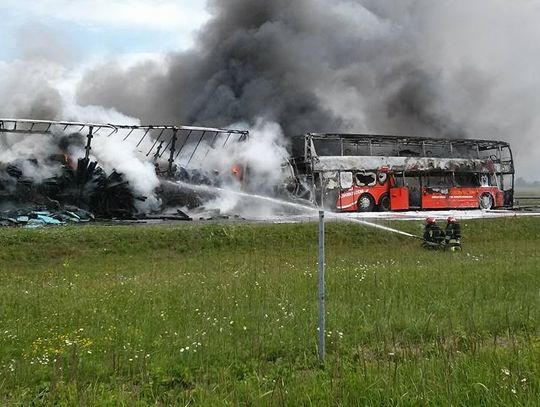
x=451, y=68
x=244, y=67
x=414, y=67
x=354, y=65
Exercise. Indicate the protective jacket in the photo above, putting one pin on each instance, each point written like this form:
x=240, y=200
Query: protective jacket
x=453, y=231
x=433, y=233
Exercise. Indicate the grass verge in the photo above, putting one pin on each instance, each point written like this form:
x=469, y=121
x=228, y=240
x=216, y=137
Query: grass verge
x=227, y=315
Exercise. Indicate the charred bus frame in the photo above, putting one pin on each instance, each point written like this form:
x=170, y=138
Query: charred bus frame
x=319, y=159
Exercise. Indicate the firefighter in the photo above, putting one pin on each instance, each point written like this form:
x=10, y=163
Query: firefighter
x=433, y=235
x=453, y=233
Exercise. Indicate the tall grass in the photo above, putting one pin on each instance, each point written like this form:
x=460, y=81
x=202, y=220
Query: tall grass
x=227, y=315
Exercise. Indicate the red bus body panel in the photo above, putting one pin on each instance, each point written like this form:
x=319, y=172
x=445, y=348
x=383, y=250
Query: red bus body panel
x=432, y=198
x=347, y=200
x=458, y=197
x=399, y=199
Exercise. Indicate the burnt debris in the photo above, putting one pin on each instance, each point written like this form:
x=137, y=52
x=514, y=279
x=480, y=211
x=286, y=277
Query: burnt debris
x=32, y=217
x=87, y=187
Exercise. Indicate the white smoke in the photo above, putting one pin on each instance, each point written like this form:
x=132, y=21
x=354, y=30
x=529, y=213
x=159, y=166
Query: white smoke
x=263, y=161
x=262, y=154
x=113, y=153
x=55, y=100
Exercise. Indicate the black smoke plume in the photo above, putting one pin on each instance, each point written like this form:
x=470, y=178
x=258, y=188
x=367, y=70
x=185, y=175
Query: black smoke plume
x=285, y=62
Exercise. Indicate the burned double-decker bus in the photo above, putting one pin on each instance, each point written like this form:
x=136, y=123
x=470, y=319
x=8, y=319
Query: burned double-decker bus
x=359, y=172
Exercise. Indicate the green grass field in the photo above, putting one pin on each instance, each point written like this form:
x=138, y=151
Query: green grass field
x=227, y=315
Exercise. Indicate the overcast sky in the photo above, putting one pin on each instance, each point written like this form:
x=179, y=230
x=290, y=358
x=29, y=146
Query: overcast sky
x=81, y=29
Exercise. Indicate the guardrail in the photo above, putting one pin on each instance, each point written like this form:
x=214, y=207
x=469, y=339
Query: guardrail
x=526, y=202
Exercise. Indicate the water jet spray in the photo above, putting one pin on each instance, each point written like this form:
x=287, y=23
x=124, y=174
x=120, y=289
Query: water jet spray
x=281, y=202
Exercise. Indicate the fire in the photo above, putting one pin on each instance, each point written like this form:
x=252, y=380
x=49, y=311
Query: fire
x=68, y=162
x=238, y=172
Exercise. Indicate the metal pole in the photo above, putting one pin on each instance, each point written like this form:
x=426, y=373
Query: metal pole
x=170, y=171
x=88, y=143
x=322, y=317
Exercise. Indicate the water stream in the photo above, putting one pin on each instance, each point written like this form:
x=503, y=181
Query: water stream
x=281, y=202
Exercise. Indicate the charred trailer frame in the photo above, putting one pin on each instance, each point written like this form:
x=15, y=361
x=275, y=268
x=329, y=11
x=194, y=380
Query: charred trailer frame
x=172, y=149
x=169, y=141
x=322, y=161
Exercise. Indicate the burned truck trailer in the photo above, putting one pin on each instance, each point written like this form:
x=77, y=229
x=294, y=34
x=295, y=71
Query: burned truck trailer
x=58, y=163
x=363, y=172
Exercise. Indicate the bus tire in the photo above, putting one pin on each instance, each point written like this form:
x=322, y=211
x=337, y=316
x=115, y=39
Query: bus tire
x=365, y=203
x=486, y=201
x=384, y=203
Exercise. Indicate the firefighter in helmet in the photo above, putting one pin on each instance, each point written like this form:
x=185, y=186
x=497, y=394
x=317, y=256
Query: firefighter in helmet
x=453, y=233
x=433, y=235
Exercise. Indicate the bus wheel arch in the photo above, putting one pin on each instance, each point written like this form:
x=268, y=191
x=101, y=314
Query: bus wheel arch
x=366, y=203
x=384, y=203
x=486, y=201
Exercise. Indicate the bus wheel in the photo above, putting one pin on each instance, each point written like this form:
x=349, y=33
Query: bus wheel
x=486, y=201
x=384, y=203
x=365, y=203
